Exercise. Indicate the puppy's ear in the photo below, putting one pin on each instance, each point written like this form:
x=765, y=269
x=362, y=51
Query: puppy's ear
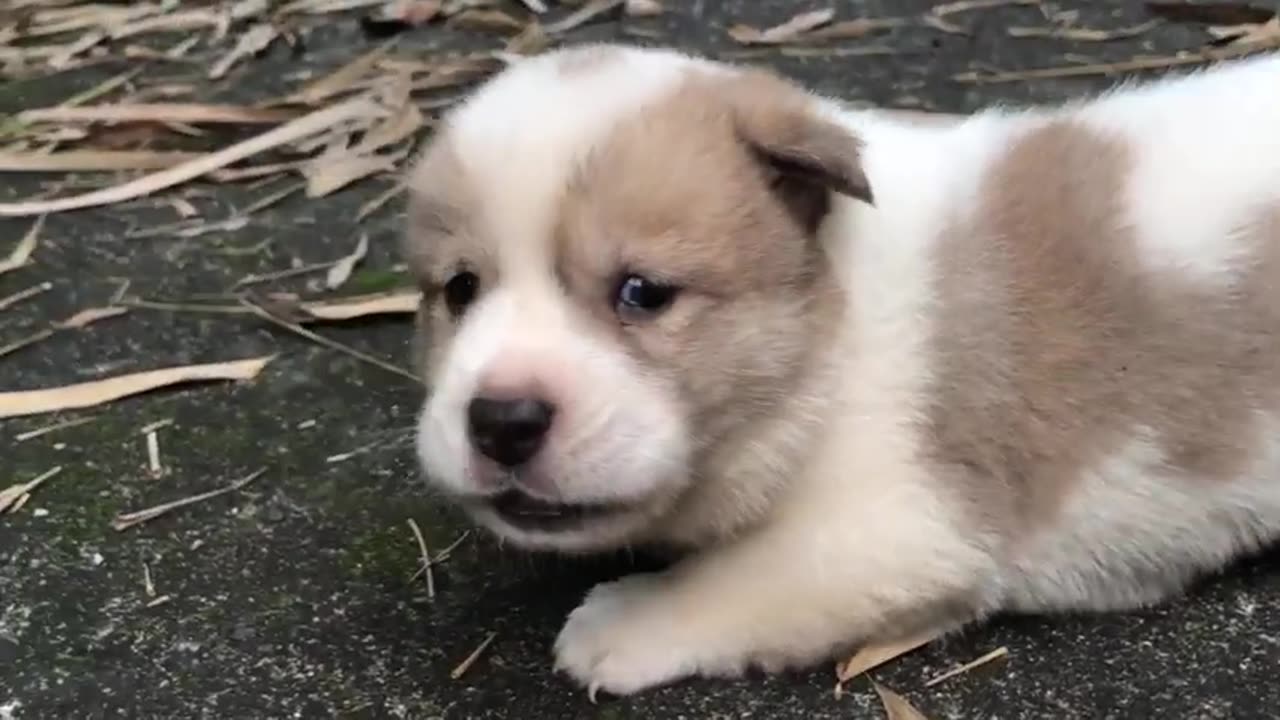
x=805, y=154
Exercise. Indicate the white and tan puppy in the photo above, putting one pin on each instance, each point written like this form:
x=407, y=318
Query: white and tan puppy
x=879, y=376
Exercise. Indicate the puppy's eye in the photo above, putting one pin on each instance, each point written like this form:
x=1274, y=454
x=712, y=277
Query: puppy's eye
x=461, y=291
x=639, y=298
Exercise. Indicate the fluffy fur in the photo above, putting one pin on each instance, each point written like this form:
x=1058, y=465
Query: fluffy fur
x=915, y=373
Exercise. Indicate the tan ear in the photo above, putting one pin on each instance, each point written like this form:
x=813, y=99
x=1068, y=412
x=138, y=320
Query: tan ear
x=784, y=126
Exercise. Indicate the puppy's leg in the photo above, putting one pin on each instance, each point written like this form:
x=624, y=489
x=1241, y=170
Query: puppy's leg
x=817, y=579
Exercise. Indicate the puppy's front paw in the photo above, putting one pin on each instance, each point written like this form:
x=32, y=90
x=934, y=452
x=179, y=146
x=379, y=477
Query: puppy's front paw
x=627, y=636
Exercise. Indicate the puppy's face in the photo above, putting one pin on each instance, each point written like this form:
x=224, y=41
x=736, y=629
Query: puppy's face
x=619, y=271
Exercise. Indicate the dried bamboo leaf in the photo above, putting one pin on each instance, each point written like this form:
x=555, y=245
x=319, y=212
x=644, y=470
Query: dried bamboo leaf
x=257, y=39
x=871, y=657
x=292, y=131
x=400, y=302
x=97, y=392
x=21, y=253
x=14, y=493
x=342, y=269
x=581, y=16
x=156, y=112
x=90, y=316
x=1080, y=34
x=960, y=6
x=642, y=8
x=784, y=32
x=92, y=160
x=896, y=707
x=330, y=173
x=343, y=78
x=483, y=20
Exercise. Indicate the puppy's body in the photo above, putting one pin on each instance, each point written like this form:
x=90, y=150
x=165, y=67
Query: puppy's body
x=902, y=375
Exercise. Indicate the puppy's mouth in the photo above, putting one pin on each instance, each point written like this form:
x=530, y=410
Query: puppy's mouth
x=525, y=512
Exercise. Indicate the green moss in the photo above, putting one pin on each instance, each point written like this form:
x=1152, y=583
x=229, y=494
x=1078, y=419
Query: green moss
x=374, y=280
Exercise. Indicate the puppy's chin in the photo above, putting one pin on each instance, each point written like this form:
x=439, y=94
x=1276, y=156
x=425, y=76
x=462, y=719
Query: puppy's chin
x=569, y=529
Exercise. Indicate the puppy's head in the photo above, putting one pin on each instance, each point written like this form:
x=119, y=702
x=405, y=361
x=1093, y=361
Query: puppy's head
x=617, y=252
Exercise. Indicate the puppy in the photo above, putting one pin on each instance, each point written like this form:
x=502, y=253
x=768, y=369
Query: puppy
x=876, y=375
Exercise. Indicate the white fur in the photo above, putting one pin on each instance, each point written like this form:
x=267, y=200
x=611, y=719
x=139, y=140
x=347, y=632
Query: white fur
x=1136, y=532
x=1206, y=156
x=864, y=531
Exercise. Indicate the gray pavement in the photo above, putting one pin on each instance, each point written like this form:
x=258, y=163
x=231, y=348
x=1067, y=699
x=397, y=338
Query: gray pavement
x=292, y=598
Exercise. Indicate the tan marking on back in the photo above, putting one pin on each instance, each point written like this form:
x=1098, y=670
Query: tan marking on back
x=1055, y=344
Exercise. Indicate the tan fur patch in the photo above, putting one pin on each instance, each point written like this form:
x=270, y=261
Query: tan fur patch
x=445, y=234
x=1055, y=344
x=677, y=195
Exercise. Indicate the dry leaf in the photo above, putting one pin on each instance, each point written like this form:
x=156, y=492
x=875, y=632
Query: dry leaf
x=343, y=78
x=531, y=41
x=642, y=8
x=21, y=253
x=170, y=22
x=92, y=161
x=873, y=656
x=330, y=173
x=969, y=666
x=377, y=202
x=959, y=6
x=156, y=112
x=16, y=493
x=321, y=7
x=341, y=270
x=292, y=131
x=785, y=32
x=251, y=43
x=850, y=29
x=1079, y=34
x=400, y=302
x=896, y=707
x=1261, y=33
x=581, y=16
x=87, y=317
x=487, y=21
x=97, y=392
x=396, y=128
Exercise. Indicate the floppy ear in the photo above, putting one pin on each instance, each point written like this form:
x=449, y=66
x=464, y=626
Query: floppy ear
x=806, y=154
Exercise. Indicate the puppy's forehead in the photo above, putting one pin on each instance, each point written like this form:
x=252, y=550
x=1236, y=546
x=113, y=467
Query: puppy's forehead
x=514, y=146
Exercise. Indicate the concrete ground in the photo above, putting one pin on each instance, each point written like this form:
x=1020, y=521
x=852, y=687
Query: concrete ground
x=292, y=598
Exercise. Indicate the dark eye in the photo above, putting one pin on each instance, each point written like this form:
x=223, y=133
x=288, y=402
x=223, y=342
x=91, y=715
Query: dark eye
x=639, y=298
x=460, y=291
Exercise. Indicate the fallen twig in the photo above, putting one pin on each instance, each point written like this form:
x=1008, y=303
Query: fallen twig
x=297, y=329
x=471, y=659
x=426, y=558
x=21, y=253
x=13, y=497
x=125, y=521
x=971, y=665
x=26, y=294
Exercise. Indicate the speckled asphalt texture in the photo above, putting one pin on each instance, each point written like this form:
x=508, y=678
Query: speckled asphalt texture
x=292, y=598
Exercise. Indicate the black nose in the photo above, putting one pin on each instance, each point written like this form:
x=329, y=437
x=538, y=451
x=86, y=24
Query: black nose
x=509, y=432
